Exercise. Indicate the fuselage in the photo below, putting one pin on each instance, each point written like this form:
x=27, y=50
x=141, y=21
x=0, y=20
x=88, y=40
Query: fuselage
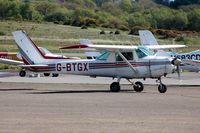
x=194, y=55
x=148, y=67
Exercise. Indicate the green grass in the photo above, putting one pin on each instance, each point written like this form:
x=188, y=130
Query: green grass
x=52, y=36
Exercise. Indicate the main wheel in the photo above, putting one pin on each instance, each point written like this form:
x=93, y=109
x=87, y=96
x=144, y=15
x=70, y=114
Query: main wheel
x=46, y=74
x=22, y=73
x=138, y=86
x=55, y=74
x=115, y=87
x=162, y=88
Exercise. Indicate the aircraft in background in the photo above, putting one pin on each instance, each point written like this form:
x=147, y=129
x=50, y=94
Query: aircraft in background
x=15, y=58
x=10, y=55
x=116, y=61
x=189, y=60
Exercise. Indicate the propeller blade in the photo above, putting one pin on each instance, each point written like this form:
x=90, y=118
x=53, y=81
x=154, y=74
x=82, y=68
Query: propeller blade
x=178, y=72
x=177, y=63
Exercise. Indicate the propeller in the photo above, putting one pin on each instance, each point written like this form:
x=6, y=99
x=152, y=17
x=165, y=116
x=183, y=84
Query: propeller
x=177, y=63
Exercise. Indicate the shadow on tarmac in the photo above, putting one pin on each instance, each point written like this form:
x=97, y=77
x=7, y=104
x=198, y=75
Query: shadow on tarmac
x=81, y=91
x=16, y=89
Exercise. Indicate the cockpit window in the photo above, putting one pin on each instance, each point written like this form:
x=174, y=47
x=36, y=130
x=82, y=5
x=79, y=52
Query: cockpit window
x=143, y=52
x=104, y=56
x=127, y=55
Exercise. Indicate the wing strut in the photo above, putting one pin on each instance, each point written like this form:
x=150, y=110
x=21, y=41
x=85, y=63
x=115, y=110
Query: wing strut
x=129, y=64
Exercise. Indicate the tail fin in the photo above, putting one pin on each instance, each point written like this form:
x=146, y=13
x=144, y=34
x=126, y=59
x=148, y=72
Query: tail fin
x=147, y=38
x=30, y=53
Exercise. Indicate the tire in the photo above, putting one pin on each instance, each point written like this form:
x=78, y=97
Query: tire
x=55, y=74
x=46, y=74
x=162, y=88
x=138, y=87
x=22, y=73
x=115, y=87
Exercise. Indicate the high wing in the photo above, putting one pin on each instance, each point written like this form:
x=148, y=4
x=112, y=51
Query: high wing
x=162, y=47
x=10, y=62
x=101, y=47
x=121, y=47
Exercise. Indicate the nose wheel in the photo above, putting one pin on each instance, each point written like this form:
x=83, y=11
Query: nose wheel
x=162, y=88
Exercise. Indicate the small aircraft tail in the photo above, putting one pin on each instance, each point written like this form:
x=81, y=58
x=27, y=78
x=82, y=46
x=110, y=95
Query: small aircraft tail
x=30, y=53
x=147, y=38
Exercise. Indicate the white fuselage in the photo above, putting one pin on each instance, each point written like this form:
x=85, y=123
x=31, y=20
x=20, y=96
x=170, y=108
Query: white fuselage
x=145, y=68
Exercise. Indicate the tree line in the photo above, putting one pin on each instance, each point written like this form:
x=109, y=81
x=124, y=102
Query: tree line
x=120, y=14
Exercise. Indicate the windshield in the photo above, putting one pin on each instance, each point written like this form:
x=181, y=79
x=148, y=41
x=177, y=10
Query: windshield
x=143, y=52
x=104, y=56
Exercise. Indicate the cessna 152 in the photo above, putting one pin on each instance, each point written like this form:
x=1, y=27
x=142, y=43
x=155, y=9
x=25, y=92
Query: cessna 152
x=116, y=61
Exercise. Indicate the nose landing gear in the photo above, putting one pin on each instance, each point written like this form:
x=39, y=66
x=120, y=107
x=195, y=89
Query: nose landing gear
x=162, y=88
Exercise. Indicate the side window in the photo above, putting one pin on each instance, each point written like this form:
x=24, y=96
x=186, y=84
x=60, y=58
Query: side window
x=127, y=55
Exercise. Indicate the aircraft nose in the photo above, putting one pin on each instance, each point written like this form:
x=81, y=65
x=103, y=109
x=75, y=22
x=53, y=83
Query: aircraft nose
x=176, y=61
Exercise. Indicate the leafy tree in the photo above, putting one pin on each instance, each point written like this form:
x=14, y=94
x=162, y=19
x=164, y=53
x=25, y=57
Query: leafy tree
x=73, y=4
x=111, y=8
x=138, y=19
x=160, y=15
x=28, y=12
x=45, y=8
x=9, y=8
x=126, y=5
x=194, y=20
x=83, y=16
x=103, y=18
x=59, y=15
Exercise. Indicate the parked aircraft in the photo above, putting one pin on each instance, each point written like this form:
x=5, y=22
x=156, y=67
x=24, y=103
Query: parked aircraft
x=16, y=58
x=9, y=55
x=116, y=61
x=147, y=39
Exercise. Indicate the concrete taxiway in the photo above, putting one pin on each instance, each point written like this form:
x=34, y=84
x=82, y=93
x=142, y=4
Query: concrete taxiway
x=71, y=104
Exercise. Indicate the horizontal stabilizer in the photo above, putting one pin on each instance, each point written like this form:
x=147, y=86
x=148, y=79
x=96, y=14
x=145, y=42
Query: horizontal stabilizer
x=10, y=62
x=27, y=66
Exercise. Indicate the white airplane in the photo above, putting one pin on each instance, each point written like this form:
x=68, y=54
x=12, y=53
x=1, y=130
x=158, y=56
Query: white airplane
x=190, y=61
x=116, y=61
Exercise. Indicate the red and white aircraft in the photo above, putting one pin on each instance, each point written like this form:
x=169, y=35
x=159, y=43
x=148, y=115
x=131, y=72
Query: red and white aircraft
x=15, y=58
x=116, y=61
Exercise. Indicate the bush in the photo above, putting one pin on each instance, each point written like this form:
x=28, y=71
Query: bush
x=135, y=30
x=102, y=32
x=179, y=39
x=84, y=27
x=167, y=33
x=2, y=33
x=56, y=22
x=117, y=32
